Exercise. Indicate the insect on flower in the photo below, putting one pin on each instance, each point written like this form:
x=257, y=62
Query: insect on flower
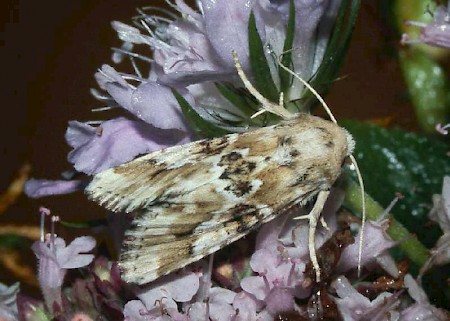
x=191, y=200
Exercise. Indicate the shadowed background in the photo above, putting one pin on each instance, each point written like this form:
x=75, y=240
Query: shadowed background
x=50, y=51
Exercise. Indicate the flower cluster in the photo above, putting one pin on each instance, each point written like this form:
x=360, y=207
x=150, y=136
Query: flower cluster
x=192, y=73
x=191, y=54
x=278, y=283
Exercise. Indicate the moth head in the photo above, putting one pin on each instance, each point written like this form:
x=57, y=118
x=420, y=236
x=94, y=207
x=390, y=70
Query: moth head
x=350, y=143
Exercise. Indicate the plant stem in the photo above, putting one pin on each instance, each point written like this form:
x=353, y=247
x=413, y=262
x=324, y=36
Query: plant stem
x=409, y=243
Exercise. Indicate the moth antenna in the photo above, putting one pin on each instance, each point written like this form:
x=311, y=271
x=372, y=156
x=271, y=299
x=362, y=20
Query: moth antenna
x=267, y=105
x=363, y=201
x=307, y=85
x=352, y=158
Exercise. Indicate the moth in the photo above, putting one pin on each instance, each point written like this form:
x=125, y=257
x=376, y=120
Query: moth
x=191, y=200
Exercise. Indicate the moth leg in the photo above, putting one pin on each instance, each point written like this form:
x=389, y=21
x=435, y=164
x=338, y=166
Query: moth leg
x=313, y=218
x=324, y=224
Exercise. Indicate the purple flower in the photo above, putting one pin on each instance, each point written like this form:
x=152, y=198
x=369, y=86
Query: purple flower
x=435, y=33
x=190, y=52
x=195, y=49
x=354, y=306
x=115, y=142
x=376, y=242
x=443, y=129
x=219, y=306
x=36, y=188
x=160, y=298
x=422, y=310
x=440, y=213
x=55, y=258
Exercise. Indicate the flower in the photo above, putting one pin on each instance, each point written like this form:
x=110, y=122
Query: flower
x=160, y=297
x=55, y=258
x=376, y=242
x=421, y=310
x=354, y=306
x=436, y=33
x=440, y=213
x=36, y=188
x=191, y=53
x=114, y=142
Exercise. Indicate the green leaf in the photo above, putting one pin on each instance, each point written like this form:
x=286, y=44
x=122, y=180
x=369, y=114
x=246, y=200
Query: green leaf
x=336, y=49
x=394, y=161
x=200, y=126
x=285, y=77
x=260, y=68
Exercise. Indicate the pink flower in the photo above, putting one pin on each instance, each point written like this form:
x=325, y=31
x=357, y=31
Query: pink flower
x=354, y=306
x=55, y=258
x=422, y=310
x=376, y=242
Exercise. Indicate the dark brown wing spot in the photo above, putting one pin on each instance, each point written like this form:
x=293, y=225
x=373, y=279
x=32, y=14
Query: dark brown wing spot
x=239, y=188
x=213, y=146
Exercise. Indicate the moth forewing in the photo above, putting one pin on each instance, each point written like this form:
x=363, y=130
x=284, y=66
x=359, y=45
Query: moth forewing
x=192, y=200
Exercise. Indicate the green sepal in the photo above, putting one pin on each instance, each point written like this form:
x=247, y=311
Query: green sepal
x=335, y=52
x=263, y=81
x=238, y=98
x=86, y=224
x=393, y=161
x=286, y=60
x=199, y=125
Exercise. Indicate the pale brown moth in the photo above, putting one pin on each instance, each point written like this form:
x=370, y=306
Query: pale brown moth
x=190, y=201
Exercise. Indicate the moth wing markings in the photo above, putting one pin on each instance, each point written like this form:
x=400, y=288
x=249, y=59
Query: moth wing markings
x=179, y=169
x=163, y=240
x=146, y=256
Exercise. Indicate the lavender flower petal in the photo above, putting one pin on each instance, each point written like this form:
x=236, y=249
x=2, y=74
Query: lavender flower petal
x=115, y=142
x=135, y=310
x=70, y=257
x=354, y=306
x=173, y=287
x=190, y=58
x=422, y=310
x=279, y=300
x=247, y=306
x=152, y=102
x=156, y=105
x=226, y=25
x=53, y=260
x=436, y=33
x=376, y=241
x=36, y=188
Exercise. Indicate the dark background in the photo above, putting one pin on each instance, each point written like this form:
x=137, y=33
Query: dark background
x=51, y=49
